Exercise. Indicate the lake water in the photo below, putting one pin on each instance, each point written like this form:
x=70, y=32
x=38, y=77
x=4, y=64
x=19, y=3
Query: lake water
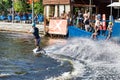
x=65, y=59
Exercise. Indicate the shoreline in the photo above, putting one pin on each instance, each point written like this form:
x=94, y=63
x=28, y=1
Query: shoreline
x=19, y=27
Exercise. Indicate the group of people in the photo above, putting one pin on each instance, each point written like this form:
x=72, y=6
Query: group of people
x=97, y=30
x=82, y=20
x=92, y=24
x=100, y=28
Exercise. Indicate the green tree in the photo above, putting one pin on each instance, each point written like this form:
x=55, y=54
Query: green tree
x=38, y=7
x=20, y=6
x=5, y=5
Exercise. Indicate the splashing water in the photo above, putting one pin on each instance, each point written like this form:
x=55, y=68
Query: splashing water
x=91, y=60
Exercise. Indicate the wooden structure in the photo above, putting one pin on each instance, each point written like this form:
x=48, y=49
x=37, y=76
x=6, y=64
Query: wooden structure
x=52, y=11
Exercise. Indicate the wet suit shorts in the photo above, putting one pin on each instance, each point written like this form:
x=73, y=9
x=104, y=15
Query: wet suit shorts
x=37, y=42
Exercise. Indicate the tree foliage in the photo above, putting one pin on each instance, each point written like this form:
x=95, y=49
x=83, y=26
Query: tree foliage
x=5, y=5
x=38, y=7
x=20, y=6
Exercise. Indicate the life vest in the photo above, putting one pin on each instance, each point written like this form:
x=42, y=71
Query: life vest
x=104, y=22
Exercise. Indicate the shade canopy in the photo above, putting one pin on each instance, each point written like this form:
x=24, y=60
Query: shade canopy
x=114, y=4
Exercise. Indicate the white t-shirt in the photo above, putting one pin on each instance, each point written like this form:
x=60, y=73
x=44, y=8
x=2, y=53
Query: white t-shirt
x=97, y=23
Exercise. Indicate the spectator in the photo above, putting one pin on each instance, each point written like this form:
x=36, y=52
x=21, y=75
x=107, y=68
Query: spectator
x=80, y=19
x=64, y=15
x=68, y=17
x=74, y=18
x=86, y=15
x=87, y=23
x=109, y=28
x=96, y=28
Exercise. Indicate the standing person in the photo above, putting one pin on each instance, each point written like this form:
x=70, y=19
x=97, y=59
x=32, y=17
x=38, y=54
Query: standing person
x=63, y=15
x=80, y=19
x=35, y=32
x=87, y=23
x=96, y=28
x=74, y=18
x=109, y=28
x=86, y=14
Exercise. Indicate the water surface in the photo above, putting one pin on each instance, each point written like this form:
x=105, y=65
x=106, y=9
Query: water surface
x=18, y=63
x=65, y=59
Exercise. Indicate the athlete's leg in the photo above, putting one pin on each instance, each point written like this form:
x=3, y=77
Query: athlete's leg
x=38, y=44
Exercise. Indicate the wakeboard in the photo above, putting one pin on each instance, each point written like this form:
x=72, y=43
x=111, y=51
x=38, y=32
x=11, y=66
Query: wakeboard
x=38, y=52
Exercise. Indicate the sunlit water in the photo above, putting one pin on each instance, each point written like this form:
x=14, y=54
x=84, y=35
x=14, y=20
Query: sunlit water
x=69, y=59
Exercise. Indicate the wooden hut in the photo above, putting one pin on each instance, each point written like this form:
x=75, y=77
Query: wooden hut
x=52, y=12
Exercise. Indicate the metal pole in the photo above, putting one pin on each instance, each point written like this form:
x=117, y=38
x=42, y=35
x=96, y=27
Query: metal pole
x=12, y=11
x=32, y=11
x=111, y=9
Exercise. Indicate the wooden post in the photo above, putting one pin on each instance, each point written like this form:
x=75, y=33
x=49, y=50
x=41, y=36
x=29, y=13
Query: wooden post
x=12, y=11
x=45, y=19
x=58, y=10
x=32, y=11
x=96, y=10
